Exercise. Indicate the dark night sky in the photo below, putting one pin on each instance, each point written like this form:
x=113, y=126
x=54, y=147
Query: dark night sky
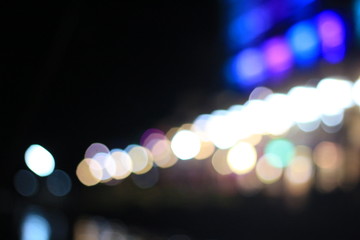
x=79, y=72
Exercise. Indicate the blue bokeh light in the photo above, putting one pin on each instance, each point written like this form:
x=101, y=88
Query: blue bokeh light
x=247, y=27
x=59, y=183
x=304, y=42
x=357, y=18
x=247, y=69
x=331, y=30
x=25, y=182
x=35, y=227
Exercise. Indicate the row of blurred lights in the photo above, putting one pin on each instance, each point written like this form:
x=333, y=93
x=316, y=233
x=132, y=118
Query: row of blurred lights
x=40, y=224
x=249, y=21
x=324, y=35
x=99, y=228
x=244, y=140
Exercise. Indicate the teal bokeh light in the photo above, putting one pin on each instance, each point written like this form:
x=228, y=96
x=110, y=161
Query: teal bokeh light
x=279, y=152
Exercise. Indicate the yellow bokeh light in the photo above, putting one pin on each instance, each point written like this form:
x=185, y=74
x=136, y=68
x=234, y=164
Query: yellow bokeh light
x=328, y=155
x=123, y=164
x=162, y=154
x=266, y=172
x=107, y=165
x=219, y=162
x=141, y=159
x=89, y=172
x=206, y=150
x=242, y=158
x=300, y=170
x=186, y=126
x=329, y=158
x=253, y=139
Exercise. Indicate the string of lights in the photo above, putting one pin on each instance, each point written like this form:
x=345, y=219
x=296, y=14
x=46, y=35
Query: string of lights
x=254, y=140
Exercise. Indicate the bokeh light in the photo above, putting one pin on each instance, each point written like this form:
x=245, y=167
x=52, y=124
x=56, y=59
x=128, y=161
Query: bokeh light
x=260, y=93
x=300, y=170
x=162, y=154
x=278, y=56
x=248, y=26
x=39, y=160
x=35, y=227
x=356, y=92
x=333, y=120
x=304, y=42
x=151, y=136
x=356, y=9
x=89, y=172
x=199, y=126
x=329, y=158
x=207, y=148
x=25, y=182
x=96, y=228
x=242, y=158
x=332, y=36
x=305, y=107
x=266, y=172
x=107, y=164
x=247, y=69
x=185, y=144
x=95, y=148
x=123, y=164
x=334, y=95
x=279, y=152
x=219, y=162
x=278, y=121
x=327, y=155
x=305, y=104
x=219, y=129
x=255, y=112
x=141, y=158
x=254, y=139
x=59, y=183
x=238, y=123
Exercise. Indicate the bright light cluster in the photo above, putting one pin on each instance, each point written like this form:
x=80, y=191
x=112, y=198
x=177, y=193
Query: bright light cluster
x=230, y=138
x=323, y=36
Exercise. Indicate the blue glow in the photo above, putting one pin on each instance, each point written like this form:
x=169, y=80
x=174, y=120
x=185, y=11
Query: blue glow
x=301, y=3
x=331, y=30
x=245, y=28
x=357, y=18
x=247, y=69
x=335, y=54
x=304, y=42
x=35, y=227
x=59, y=183
x=26, y=183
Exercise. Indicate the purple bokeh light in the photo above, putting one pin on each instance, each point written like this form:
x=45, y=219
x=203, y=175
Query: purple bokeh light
x=278, y=56
x=332, y=36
